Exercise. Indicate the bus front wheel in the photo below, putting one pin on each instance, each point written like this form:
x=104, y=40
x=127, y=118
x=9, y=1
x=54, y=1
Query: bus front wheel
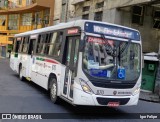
x=53, y=90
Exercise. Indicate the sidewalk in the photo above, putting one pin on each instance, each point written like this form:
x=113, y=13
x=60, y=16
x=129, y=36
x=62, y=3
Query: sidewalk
x=147, y=96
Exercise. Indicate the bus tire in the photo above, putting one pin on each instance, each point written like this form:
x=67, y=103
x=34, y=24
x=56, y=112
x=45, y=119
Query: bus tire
x=53, y=90
x=20, y=73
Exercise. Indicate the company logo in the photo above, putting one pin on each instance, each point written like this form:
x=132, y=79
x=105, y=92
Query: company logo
x=6, y=116
x=115, y=92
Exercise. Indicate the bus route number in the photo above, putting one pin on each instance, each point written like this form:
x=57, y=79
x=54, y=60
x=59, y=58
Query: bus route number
x=100, y=92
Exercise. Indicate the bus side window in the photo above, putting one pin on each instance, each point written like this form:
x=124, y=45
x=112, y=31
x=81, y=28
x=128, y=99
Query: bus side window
x=40, y=44
x=47, y=43
x=43, y=40
x=17, y=45
x=52, y=43
x=14, y=46
x=25, y=44
x=58, y=44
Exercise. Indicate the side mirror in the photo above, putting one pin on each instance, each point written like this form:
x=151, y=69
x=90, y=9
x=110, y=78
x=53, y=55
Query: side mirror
x=82, y=43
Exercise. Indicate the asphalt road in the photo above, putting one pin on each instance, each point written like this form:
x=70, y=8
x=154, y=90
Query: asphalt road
x=26, y=97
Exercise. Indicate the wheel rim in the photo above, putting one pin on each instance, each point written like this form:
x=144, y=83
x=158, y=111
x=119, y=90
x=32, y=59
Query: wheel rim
x=53, y=90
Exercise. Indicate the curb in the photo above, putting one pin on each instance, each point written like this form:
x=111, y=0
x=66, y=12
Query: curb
x=149, y=100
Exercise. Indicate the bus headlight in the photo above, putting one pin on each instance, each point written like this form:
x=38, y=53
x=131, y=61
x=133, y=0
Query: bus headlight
x=136, y=91
x=85, y=86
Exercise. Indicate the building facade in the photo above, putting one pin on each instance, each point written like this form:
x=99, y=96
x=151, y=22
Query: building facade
x=143, y=15
x=18, y=16
x=64, y=11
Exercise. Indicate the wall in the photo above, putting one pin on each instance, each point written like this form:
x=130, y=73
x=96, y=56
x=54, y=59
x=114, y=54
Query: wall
x=57, y=11
x=2, y=4
x=71, y=11
x=150, y=36
x=123, y=3
x=123, y=16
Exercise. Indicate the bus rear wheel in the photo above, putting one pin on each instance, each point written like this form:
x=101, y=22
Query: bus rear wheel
x=20, y=73
x=53, y=90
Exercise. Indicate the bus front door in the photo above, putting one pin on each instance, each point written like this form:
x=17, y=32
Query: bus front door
x=70, y=61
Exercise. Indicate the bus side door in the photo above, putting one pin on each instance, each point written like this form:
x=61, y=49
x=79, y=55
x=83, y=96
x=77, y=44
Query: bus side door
x=14, y=55
x=32, y=45
x=70, y=61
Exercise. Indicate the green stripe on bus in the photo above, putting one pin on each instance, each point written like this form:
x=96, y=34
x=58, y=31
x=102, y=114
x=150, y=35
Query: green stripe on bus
x=46, y=60
x=40, y=59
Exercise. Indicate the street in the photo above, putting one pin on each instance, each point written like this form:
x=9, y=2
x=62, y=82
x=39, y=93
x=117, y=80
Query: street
x=25, y=97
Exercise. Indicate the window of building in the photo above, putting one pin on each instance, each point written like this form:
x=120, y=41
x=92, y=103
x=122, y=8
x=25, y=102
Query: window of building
x=13, y=22
x=138, y=15
x=20, y=2
x=2, y=20
x=98, y=16
x=2, y=3
x=26, y=19
x=28, y=2
x=85, y=16
x=85, y=8
x=46, y=17
x=156, y=19
x=100, y=5
x=38, y=17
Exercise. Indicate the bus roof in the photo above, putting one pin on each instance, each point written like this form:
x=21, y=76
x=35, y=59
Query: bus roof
x=76, y=23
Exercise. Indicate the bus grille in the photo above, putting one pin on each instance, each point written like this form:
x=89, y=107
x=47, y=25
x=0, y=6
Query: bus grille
x=105, y=101
x=114, y=85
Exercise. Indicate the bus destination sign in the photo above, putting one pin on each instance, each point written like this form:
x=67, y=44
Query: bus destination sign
x=73, y=31
x=111, y=30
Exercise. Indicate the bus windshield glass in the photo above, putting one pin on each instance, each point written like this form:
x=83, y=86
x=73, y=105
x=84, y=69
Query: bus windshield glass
x=111, y=59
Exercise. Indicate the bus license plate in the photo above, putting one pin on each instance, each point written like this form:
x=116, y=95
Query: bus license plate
x=113, y=104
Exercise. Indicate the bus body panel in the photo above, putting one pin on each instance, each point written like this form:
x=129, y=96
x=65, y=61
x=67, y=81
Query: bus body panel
x=24, y=60
x=42, y=68
x=82, y=98
x=13, y=62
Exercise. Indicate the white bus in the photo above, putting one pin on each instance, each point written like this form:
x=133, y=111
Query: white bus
x=83, y=62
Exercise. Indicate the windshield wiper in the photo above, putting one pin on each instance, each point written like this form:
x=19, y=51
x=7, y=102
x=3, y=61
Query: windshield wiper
x=109, y=47
x=125, y=49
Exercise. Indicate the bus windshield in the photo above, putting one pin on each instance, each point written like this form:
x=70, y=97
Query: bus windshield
x=111, y=59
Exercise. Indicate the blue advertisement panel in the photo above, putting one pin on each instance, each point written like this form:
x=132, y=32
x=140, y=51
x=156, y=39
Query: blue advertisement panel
x=111, y=30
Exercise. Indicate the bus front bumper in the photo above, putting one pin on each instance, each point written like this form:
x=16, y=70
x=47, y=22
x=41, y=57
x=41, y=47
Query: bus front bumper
x=83, y=98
